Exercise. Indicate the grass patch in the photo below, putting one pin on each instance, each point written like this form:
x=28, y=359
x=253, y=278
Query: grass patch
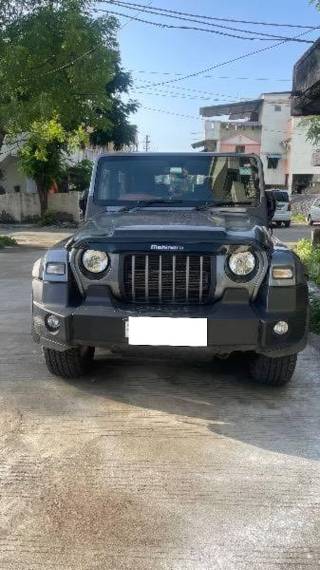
x=7, y=241
x=298, y=219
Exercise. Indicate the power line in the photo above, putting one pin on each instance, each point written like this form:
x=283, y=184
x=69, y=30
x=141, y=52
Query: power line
x=176, y=16
x=179, y=89
x=233, y=20
x=184, y=92
x=177, y=74
x=194, y=28
x=177, y=96
x=227, y=62
x=183, y=116
x=71, y=62
x=218, y=100
x=126, y=23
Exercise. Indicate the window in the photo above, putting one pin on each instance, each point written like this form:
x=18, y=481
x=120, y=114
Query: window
x=273, y=162
x=281, y=196
x=186, y=179
x=240, y=148
x=277, y=108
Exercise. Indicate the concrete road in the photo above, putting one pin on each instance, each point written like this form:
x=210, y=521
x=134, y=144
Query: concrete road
x=293, y=234
x=155, y=461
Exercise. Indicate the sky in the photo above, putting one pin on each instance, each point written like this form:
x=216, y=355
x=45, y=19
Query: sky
x=154, y=55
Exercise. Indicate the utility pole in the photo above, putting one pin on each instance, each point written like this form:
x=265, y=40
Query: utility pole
x=147, y=143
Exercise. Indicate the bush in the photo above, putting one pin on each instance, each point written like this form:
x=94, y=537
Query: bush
x=6, y=218
x=48, y=219
x=299, y=218
x=56, y=219
x=7, y=241
x=311, y=258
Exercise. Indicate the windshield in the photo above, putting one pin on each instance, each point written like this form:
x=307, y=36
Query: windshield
x=281, y=196
x=192, y=180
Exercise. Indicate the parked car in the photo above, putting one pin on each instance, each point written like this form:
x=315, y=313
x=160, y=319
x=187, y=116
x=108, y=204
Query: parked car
x=175, y=250
x=313, y=216
x=283, y=213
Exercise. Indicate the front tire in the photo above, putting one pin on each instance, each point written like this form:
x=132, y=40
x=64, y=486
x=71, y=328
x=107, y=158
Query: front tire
x=287, y=224
x=273, y=371
x=71, y=363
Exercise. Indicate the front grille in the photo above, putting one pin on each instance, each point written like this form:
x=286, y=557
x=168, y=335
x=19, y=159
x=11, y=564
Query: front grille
x=167, y=278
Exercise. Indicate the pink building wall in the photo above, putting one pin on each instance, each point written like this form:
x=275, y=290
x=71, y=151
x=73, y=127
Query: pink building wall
x=253, y=148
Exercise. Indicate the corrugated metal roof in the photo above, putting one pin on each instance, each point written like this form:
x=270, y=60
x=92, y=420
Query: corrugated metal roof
x=242, y=109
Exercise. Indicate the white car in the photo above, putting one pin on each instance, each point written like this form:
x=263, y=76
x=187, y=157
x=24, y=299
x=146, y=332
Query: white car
x=283, y=213
x=314, y=213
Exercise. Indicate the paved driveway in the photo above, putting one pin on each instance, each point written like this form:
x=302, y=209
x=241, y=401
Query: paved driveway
x=155, y=461
x=293, y=234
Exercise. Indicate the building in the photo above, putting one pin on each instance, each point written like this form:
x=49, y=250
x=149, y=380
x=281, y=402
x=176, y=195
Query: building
x=306, y=83
x=265, y=127
x=19, y=199
x=303, y=159
x=258, y=126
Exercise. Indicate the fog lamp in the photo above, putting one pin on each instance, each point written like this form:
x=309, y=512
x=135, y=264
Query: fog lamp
x=281, y=327
x=53, y=323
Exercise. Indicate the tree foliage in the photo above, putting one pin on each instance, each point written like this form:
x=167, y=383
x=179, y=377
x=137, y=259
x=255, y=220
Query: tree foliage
x=43, y=156
x=60, y=75
x=57, y=61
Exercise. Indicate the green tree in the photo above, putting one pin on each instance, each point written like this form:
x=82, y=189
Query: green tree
x=121, y=132
x=42, y=157
x=57, y=63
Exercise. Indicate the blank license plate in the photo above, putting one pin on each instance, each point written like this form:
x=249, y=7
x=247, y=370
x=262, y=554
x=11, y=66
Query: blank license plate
x=165, y=331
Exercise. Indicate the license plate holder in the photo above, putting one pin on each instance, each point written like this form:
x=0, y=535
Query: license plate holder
x=167, y=331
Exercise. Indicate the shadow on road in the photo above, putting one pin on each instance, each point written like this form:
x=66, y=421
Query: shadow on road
x=190, y=385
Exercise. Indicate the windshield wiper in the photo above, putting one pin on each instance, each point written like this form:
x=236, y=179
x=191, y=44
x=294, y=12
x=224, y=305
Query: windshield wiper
x=218, y=203
x=145, y=203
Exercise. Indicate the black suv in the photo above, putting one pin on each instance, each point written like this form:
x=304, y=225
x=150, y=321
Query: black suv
x=175, y=250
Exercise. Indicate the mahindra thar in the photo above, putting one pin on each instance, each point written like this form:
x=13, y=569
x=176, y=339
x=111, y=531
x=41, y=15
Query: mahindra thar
x=175, y=250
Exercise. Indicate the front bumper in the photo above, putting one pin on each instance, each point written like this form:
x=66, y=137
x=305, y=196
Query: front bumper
x=233, y=324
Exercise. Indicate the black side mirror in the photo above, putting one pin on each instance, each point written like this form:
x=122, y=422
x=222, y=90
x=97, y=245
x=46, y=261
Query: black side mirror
x=271, y=205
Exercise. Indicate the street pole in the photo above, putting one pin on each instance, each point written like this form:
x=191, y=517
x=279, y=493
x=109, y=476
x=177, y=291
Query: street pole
x=147, y=143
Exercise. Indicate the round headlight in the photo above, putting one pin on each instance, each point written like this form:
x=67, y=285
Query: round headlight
x=242, y=263
x=95, y=261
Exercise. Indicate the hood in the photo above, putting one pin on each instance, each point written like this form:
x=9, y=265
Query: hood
x=178, y=227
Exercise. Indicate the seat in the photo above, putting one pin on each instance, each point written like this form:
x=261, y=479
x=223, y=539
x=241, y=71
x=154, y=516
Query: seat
x=238, y=192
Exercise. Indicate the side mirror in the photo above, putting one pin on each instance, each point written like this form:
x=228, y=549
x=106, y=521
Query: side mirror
x=271, y=205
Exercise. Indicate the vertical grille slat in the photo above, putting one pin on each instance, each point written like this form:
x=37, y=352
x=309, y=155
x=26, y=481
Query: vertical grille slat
x=201, y=279
x=167, y=278
x=187, y=277
x=160, y=278
x=173, y=278
x=146, y=284
x=133, y=270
